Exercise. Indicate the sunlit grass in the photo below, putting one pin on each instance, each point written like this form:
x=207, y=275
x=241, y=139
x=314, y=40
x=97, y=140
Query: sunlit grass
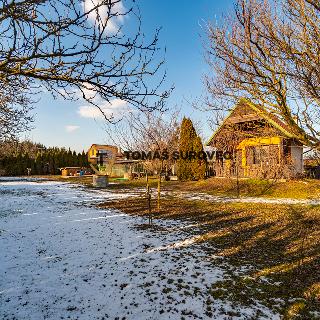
x=277, y=244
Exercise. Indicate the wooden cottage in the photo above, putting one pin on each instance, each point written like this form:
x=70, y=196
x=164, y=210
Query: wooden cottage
x=252, y=142
x=101, y=154
x=110, y=160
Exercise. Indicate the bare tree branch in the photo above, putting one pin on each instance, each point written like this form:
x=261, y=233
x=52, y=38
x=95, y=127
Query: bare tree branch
x=269, y=53
x=69, y=45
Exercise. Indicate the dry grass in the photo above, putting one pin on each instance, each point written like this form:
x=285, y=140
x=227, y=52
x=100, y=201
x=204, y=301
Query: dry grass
x=296, y=189
x=281, y=244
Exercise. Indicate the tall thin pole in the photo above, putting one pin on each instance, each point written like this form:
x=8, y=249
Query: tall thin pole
x=148, y=199
x=159, y=190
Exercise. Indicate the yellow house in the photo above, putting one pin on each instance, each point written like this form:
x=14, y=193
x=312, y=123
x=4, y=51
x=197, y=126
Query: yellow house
x=101, y=154
x=111, y=160
x=258, y=144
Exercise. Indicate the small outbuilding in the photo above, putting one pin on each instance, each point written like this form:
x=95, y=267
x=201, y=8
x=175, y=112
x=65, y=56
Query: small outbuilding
x=73, y=171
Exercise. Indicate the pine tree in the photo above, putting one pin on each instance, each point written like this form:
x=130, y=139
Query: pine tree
x=19, y=165
x=57, y=161
x=14, y=160
x=69, y=158
x=38, y=164
x=84, y=157
x=26, y=163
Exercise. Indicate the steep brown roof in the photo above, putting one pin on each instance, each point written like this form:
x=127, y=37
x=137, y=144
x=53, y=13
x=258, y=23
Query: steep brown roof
x=274, y=120
x=258, y=113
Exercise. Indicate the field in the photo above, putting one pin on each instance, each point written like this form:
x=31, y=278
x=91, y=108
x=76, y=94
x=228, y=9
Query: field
x=77, y=252
x=276, y=247
x=296, y=189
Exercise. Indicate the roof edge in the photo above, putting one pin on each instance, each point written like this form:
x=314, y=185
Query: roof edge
x=241, y=100
x=263, y=113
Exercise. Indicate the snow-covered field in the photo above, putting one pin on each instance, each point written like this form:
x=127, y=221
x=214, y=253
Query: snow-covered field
x=64, y=258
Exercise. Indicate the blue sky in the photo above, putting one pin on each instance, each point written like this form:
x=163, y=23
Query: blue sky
x=58, y=122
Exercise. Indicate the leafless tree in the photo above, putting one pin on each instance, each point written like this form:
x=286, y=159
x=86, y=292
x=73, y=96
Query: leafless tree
x=144, y=131
x=71, y=47
x=15, y=110
x=268, y=52
x=300, y=39
x=156, y=131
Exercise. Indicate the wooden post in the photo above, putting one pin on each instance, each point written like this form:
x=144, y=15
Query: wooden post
x=148, y=199
x=149, y=205
x=159, y=190
x=238, y=182
x=147, y=181
x=159, y=186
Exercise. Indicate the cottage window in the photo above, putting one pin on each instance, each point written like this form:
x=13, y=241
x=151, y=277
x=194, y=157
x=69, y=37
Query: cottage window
x=256, y=155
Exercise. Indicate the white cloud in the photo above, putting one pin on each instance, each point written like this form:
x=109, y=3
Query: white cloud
x=87, y=90
x=114, y=108
x=103, y=12
x=89, y=112
x=71, y=128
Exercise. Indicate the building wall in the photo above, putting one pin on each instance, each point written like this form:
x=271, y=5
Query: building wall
x=262, y=158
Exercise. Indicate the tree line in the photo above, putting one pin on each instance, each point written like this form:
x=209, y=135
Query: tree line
x=17, y=157
x=39, y=159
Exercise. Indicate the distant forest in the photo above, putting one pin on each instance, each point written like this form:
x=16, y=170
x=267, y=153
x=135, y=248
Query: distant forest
x=16, y=157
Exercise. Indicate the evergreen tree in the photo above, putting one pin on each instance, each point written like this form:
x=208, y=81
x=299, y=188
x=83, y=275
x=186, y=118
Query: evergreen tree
x=57, y=161
x=62, y=158
x=15, y=160
x=199, y=165
x=27, y=161
x=189, y=166
x=38, y=164
x=74, y=159
x=19, y=165
x=84, y=157
x=69, y=158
